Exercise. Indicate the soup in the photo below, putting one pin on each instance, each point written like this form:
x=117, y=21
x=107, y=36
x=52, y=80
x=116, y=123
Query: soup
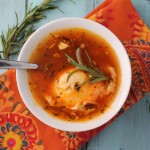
x=78, y=74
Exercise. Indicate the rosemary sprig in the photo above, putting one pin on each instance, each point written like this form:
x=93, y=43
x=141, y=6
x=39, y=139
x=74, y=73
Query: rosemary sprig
x=16, y=35
x=95, y=74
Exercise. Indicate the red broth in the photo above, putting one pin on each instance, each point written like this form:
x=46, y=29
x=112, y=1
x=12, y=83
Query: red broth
x=51, y=59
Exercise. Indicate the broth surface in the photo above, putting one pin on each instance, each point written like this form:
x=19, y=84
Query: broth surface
x=52, y=61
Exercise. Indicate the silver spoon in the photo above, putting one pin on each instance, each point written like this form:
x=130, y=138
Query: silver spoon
x=7, y=64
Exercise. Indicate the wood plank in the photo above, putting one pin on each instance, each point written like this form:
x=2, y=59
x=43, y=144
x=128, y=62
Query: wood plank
x=7, y=14
x=143, y=7
x=130, y=132
x=77, y=8
x=7, y=11
x=90, y=5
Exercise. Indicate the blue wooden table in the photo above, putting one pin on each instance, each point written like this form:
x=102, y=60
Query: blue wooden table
x=132, y=130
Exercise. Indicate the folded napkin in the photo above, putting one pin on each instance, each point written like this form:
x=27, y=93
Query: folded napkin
x=19, y=129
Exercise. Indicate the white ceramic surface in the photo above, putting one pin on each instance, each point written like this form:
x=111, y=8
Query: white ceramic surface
x=37, y=110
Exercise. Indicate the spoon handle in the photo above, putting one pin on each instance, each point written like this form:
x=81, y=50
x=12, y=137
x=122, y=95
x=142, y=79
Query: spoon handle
x=7, y=64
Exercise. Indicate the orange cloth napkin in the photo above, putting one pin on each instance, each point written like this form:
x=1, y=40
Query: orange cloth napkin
x=20, y=130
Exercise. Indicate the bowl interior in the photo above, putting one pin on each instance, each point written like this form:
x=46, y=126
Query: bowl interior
x=94, y=27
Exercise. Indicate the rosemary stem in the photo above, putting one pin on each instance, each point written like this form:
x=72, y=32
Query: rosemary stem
x=95, y=74
x=16, y=35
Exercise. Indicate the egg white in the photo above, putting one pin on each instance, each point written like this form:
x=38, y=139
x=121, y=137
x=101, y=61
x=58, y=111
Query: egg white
x=65, y=93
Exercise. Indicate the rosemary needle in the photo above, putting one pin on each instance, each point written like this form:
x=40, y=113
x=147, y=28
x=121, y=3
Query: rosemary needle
x=16, y=35
x=95, y=74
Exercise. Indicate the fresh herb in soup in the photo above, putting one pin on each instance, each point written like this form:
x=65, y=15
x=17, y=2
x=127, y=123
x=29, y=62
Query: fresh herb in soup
x=78, y=74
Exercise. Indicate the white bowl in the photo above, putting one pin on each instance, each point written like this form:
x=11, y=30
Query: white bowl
x=38, y=111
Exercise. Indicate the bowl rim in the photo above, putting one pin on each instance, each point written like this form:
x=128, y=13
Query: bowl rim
x=71, y=126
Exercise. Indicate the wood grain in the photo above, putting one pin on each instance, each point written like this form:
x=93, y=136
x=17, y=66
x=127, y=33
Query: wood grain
x=143, y=7
x=7, y=12
x=129, y=132
x=7, y=15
